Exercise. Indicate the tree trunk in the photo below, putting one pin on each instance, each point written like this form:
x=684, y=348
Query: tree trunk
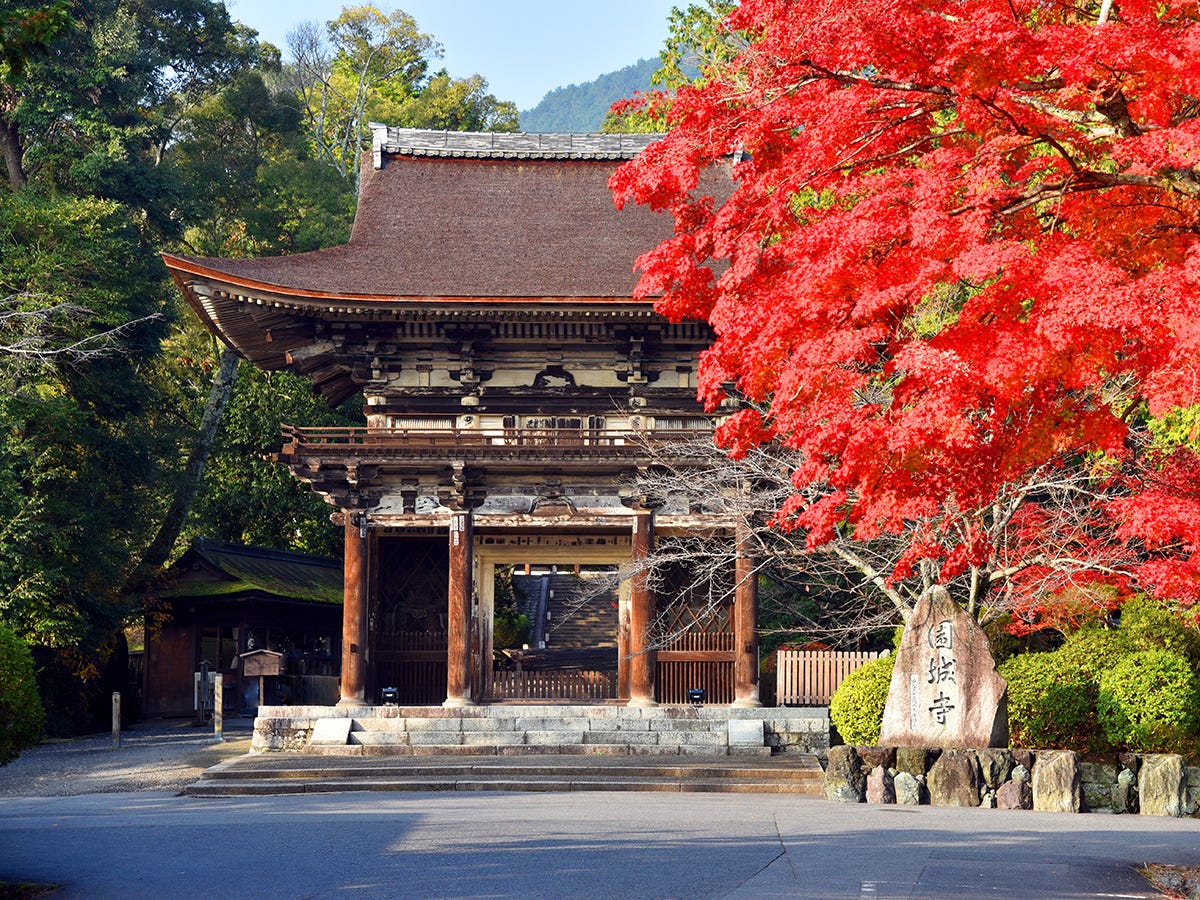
x=10, y=144
x=218, y=398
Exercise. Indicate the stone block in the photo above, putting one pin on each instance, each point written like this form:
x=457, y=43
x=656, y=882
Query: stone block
x=844, y=780
x=478, y=725
x=440, y=725
x=955, y=779
x=701, y=739
x=1100, y=773
x=995, y=765
x=746, y=733
x=1097, y=796
x=881, y=786
x=909, y=791
x=1124, y=792
x=877, y=756
x=554, y=737
x=1056, y=783
x=913, y=760
x=1014, y=795
x=438, y=738
x=492, y=738
x=1162, y=785
x=1021, y=773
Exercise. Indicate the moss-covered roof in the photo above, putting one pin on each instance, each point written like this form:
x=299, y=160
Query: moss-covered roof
x=211, y=569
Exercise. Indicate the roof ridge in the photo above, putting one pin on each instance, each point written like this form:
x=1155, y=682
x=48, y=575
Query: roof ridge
x=505, y=144
x=203, y=544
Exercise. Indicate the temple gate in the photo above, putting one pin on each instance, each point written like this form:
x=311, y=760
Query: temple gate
x=513, y=387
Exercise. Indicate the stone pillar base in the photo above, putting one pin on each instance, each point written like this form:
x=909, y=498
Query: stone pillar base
x=746, y=704
x=642, y=703
x=458, y=702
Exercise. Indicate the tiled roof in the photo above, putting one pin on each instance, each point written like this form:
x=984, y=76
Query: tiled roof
x=476, y=216
x=215, y=569
x=500, y=145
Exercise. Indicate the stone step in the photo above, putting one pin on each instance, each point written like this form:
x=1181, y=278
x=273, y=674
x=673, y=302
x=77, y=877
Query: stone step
x=293, y=773
x=616, y=749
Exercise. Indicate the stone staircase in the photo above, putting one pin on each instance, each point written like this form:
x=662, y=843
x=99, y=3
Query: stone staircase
x=293, y=774
x=544, y=729
x=545, y=747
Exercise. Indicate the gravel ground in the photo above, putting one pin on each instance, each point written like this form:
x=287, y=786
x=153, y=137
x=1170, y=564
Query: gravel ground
x=162, y=755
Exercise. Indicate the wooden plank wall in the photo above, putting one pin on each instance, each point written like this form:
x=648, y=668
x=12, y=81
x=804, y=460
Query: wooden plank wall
x=696, y=660
x=809, y=677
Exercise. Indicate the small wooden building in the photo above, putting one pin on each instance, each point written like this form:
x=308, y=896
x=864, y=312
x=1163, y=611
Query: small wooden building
x=220, y=602
x=513, y=386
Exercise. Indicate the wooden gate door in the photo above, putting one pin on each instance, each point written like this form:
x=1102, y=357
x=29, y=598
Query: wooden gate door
x=695, y=636
x=408, y=618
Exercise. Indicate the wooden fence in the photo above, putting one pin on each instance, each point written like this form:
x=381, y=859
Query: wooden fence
x=696, y=660
x=554, y=685
x=809, y=677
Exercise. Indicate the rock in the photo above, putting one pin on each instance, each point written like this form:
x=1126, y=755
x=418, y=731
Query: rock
x=1124, y=793
x=1162, y=785
x=988, y=800
x=945, y=690
x=877, y=756
x=913, y=760
x=1097, y=796
x=844, y=781
x=908, y=789
x=996, y=764
x=1097, y=782
x=1130, y=761
x=1019, y=773
x=1023, y=758
x=1014, y=795
x=954, y=780
x=1056, y=784
x=880, y=786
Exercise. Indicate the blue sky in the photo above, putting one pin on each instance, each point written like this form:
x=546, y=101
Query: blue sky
x=524, y=48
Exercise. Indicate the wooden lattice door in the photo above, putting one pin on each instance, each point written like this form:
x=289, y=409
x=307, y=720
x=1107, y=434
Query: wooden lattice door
x=694, y=632
x=408, y=618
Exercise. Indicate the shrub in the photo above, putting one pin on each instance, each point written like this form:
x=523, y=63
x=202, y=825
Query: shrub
x=20, y=707
x=1093, y=651
x=1149, y=625
x=1148, y=702
x=510, y=628
x=1050, y=702
x=856, y=708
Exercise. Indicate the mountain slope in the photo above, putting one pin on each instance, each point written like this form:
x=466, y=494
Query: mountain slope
x=581, y=107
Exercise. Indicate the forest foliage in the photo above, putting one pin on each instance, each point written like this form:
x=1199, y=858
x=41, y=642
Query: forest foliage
x=126, y=129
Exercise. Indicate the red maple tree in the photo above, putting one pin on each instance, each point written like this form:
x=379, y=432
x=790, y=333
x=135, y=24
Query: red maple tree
x=961, y=254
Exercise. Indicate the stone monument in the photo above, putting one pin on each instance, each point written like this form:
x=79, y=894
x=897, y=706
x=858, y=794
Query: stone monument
x=945, y=690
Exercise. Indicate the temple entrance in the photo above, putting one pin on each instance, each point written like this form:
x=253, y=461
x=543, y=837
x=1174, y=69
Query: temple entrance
x=563, y=587
x=555, y=632
x=408, y=618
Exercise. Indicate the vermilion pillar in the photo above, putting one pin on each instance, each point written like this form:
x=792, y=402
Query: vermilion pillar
x=642, y=659
x=745, y=621
x=354, y=616
x=458, y=637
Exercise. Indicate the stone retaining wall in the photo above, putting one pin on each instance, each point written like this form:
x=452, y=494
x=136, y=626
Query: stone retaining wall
x=1053, y=780
x=784, y=730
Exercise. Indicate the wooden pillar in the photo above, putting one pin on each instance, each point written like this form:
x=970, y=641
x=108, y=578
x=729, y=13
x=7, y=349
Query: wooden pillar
x=623, y=659
x=458, y=637
x=642, y=659
x=745, y=621
x=354, y=616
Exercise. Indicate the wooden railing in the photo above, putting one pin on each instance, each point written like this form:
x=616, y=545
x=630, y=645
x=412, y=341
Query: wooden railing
x=809, y=677
x=491, y=442
x=553, y=685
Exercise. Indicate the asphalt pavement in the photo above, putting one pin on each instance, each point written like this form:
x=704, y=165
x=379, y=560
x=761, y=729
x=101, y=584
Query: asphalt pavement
x=587, y=845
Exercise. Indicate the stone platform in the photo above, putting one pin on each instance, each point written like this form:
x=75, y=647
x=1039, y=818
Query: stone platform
x=540, y=730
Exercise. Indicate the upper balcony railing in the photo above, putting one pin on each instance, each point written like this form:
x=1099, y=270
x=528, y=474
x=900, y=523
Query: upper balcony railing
x=495, y=443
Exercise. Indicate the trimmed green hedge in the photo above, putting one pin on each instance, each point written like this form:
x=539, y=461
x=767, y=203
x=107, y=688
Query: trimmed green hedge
x=21, y=711
x=1050, y=702
x=856, y=708
x=1150, y=701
